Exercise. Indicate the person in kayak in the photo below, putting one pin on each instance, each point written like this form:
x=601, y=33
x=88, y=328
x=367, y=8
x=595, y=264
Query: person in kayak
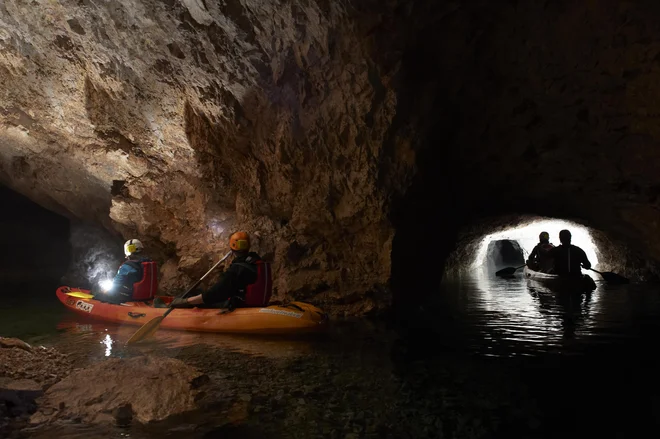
x=247, y=281
x=540, y=259
x=136, y=279
x=569, y=259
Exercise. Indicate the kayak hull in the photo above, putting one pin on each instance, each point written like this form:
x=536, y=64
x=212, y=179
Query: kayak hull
x=582, y=284
x=294, y=318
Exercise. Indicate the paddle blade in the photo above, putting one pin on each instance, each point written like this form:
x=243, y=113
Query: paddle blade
x=147, y=330
x=508, y=271
x=613, y=278
x=80, y=295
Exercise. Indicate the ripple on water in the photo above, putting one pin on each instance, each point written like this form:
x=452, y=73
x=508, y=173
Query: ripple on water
x=519, y=316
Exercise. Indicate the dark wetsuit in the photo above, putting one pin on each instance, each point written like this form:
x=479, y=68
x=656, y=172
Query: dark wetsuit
x=540, y=259
x=230, y=289
x=569, y=260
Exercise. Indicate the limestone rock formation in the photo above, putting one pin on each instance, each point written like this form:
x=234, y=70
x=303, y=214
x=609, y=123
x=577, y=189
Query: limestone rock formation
x=304, y=122
x=118, y=390
x=181, y=121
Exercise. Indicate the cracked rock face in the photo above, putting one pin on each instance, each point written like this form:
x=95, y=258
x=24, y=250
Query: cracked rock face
x=180, y=122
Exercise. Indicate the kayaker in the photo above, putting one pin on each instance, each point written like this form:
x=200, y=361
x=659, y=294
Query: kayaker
x=569, y=259
x=136, y=279
x=540, y=259
x=247, y=281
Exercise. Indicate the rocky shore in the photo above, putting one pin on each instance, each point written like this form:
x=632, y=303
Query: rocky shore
x=337, y=390
x=25, y=373
x=40, y=387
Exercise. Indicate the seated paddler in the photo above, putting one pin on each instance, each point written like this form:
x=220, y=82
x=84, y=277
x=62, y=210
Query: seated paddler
x=541, y=259
x=247, y=281
x=136, y=279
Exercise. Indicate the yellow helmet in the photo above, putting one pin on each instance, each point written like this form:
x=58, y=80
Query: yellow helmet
x=132, y=246
x=239, y=241
x=544, y=236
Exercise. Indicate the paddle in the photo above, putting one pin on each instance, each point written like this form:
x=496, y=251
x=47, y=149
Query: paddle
x=149, y=328
x=612, y=278
x=508, y=271
x=80, y=295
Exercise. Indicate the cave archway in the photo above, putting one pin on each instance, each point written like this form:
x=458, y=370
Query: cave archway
x=35, y=243
x=44, y=249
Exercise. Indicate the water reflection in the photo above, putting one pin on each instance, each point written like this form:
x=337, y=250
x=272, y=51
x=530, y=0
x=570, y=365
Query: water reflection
x=78, y=334
x=107, y=341
x=519, y=316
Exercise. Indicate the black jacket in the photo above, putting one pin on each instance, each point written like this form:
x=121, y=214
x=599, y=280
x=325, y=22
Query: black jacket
x=241, y=273
x=569, y=259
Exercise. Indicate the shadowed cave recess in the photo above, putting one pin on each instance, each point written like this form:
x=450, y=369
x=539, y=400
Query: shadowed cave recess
x=361, y=150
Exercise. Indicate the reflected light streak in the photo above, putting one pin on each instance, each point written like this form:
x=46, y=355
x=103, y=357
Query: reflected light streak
x=107, y=341
x=528, y=236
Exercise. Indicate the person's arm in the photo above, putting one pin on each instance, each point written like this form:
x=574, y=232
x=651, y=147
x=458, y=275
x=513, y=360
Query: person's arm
x=223, y=289
x=122, y=280
x=532, y=255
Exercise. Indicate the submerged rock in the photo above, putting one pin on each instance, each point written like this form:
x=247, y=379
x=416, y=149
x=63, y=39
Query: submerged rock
x=122, y=390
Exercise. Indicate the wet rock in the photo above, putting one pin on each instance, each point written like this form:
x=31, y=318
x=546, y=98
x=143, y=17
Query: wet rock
x=6, y=343
x=17, y=402
x=122, y=390
x=45, y=366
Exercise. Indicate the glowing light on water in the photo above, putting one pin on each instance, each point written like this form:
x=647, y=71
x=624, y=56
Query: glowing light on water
x=107, y=341
x=528, y=236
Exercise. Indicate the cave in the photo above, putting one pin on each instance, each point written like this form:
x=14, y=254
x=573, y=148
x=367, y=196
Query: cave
x=357, y=151
x=378, y=153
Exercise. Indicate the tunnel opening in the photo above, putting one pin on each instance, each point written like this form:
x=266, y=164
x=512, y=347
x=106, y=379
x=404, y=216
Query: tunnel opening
x=35, y=243
x=527, y=236
x=44, y=249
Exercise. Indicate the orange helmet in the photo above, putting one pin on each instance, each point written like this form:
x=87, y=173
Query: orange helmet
x=239, y=241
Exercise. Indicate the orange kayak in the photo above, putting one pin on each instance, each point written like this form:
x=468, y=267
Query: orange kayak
x=295, y=317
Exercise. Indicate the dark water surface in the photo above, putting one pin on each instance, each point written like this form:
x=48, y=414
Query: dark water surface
x=488, y=357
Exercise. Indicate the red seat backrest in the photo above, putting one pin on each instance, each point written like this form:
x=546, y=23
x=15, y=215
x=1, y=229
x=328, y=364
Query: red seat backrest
x=258, y=293
x=147, y=287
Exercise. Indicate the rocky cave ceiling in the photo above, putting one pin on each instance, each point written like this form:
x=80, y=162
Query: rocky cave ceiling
x=325, y=127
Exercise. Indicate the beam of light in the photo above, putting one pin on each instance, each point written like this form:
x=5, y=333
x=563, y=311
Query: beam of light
x=528, y=236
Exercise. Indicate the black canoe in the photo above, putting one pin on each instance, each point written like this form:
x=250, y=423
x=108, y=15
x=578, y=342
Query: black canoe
x=562, y=284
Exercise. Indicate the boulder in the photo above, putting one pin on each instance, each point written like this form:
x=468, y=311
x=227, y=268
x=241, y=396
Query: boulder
x=121, y=390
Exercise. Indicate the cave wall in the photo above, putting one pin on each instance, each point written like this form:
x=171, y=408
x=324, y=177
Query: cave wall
x=305, y=121
x=179, y=122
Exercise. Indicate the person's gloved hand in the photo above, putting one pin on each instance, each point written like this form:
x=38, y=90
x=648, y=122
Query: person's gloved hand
x=180, y=302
